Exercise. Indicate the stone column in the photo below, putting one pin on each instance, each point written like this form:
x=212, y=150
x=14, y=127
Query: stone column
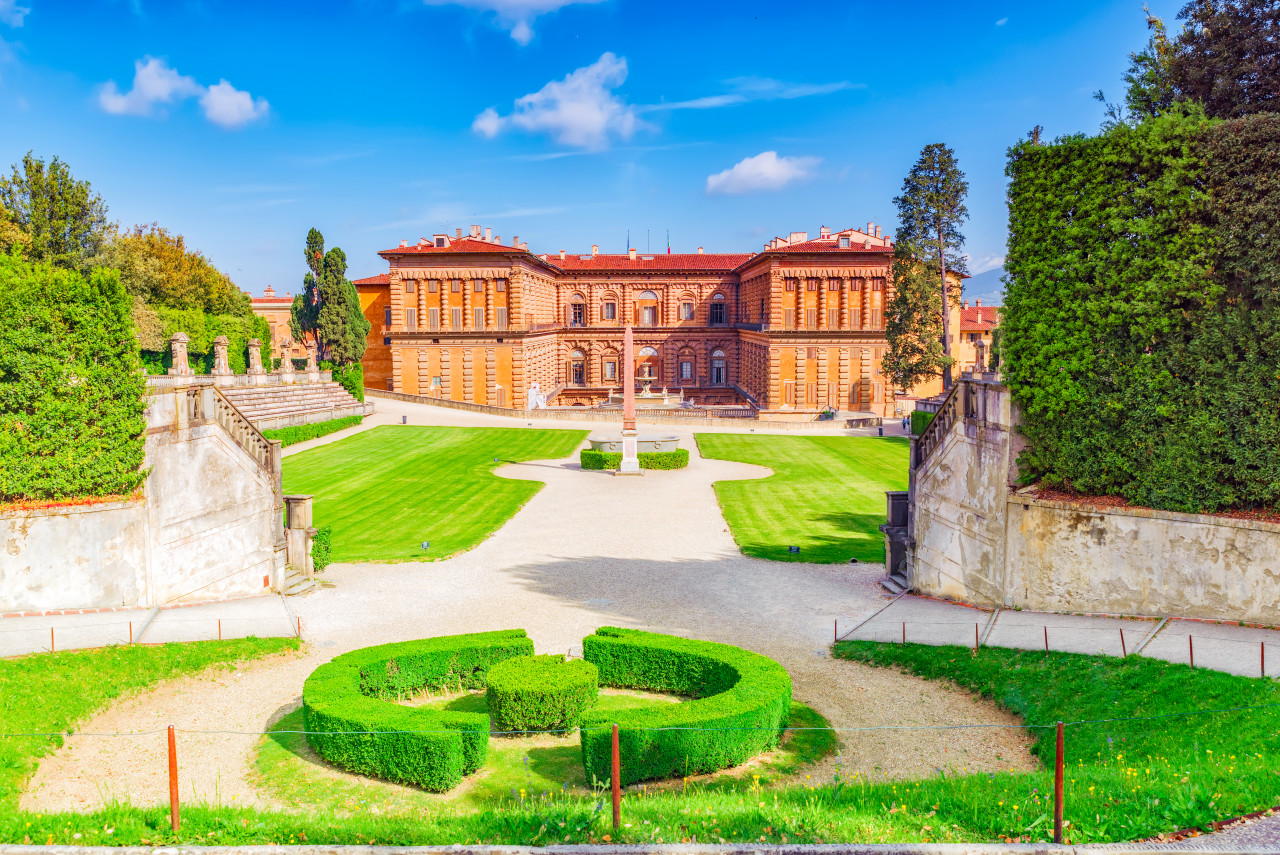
x=257, y=376
x=287, y=377
x=221, y=368
x=822, y=302
x=178, y=347
x=299, y=534
x=313, y=370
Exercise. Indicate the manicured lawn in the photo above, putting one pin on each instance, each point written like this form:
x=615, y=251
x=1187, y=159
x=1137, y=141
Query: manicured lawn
x=53, y=692
x=388, y=490
x=826, y=494
x=1153, y=757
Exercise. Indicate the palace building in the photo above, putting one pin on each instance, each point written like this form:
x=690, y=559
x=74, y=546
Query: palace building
x=790, y=330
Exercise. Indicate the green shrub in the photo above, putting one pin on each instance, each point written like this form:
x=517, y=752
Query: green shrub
x=354, y=724
x=350, y=377
x=71, y=392
x=301, y=433
x=540, y=693
x=592, y=459
x=202, y=328
x=919, y=421
x=322, y=548
x=740, y=705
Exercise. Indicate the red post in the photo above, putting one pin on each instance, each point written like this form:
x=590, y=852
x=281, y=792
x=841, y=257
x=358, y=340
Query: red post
x=173, y=781
x=1058, y=763
x=617, y=782
x=52, y=649
x=975, y=638
x=1191, y=650
x=904, y=632
x=1262, y=646
x=835, y=630
x=219, y=629
x=1124, y=651
x=1046, y=639
x=131, y=632
x=299, y=627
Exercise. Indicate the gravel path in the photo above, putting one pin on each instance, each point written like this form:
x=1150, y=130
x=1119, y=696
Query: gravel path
x=590, y=549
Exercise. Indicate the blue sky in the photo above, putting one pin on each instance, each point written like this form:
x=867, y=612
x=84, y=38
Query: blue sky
x=243, y=125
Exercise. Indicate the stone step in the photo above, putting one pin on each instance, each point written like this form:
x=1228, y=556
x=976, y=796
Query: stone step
x=893, y=584
x=298, y=585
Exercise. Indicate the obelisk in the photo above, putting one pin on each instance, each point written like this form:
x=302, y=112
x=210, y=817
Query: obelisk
x=630, y=461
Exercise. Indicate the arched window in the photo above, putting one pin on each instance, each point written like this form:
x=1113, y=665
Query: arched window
x=647, y=295
x=647, y=309
x=718, y=313
x=647, y=364
x=648, y=351
x=577, y=310
x=719, y=370
x=577, y=368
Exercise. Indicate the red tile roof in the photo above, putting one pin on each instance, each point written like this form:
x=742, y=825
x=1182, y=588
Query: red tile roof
x=272, y=301
x=657, y=261
x=990, y=318
x=455, y=245
x=380, y=279
x=830, y=245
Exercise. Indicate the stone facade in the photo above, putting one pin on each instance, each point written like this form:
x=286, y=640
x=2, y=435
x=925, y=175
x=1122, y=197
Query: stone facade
x=793, y=329
x=974, y=536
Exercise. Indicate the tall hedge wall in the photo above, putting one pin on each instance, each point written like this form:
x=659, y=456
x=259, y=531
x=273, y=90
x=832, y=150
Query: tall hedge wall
x=157, y=324
x=71, y=394
x=1141, y=329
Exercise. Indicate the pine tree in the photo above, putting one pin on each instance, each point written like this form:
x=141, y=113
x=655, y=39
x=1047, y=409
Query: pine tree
x=328, y=309
x=1228, y=56
x=63, y=220
x=926, y=250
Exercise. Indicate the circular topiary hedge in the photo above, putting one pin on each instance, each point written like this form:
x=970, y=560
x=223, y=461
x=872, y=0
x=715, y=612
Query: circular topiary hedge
x=540, y=693
x=353, y=722
x=741, y=701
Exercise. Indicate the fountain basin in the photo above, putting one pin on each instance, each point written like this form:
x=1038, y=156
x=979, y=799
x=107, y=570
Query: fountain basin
x=644, y=442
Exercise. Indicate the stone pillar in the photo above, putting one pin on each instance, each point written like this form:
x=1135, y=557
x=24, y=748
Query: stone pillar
x=256, y=375
x=221, y=368
x=299, y=534
x=178, y=347
x=313, y=370
x=287, y=377
x=630, y=461
x=980, y=360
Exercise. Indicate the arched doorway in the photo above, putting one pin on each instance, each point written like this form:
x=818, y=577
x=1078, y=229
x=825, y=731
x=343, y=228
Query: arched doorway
x=647, y=367
x=719, y=368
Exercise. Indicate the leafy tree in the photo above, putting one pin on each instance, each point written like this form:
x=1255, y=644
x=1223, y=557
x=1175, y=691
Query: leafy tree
x=71, y=394
x=1151, y=89
x=1228, y=56
x=157, y=266
x=64, y=219
x=11, y=234
x=328, y=309
x=930, y=211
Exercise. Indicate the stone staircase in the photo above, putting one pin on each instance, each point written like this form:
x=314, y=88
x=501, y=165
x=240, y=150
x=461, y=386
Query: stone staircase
x=282, y=406
x=296, y=583
x=895, y=583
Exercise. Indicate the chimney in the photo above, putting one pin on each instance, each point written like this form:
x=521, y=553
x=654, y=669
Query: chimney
x=458, y=233
x=497, y=239
x=515, y=241
x=866, y=243
x=270, y=292
x=699, y=250
x=871, y=227
x=403, y=244
x=524, y=245
x=979, y=314
x=633, y=253
x=978, y=302
x=595, y=250
x=824, y=231
x=562, y=255
x=488, y=234
x=878, y=232
x=475, y=231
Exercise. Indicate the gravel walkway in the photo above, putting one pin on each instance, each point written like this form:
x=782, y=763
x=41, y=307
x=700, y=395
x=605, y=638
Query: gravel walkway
x=590, y=549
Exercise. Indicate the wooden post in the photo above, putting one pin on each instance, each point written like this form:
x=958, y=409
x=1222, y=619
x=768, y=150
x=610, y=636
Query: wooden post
x=617, y=782
x=1124, y=651
x=173, y=781
x=219, y=629
x=975, y=639
x=1262, y=646
x=131, y=632
x=1046, y=639
x=299, y=627
x=1057, y=789
x=52, y=649
x=835, y=630
x=904, y=632
x=1191, y=651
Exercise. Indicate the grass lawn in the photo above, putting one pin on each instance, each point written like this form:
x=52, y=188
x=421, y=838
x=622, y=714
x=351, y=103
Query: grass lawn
x=826, y=494
x=388, y=490
x=52, y=692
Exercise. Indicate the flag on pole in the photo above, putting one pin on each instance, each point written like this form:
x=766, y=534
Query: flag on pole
x=668, y=241
x=628, y=241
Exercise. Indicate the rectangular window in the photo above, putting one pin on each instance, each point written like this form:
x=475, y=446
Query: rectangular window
x=855, y=284
x=455, y=318
x=810, y=319
x=855, y=317
x=789, y=392
x=455, y=285
x=833, y=319
x=686, y=369
x=408, y=286
x=833, y=393
x=788, y=319
x=610, y=369
x=500, y=285
x=477, y=318
x=811, y=393
x=477, y=285
x=433, y=285
x=410, y=319
x=812, y=285
x=791, y=284
x=833, y=284
x=877, y=284
x=577, y=314
x=386, y=316
x=500, y=321
x=610, y=311
x=717, y=313
x=433, y=319
x=648, y=316
x=391, y=385
x=877, y=320
x=811, y=353
x=718, y=372
x=686, y=311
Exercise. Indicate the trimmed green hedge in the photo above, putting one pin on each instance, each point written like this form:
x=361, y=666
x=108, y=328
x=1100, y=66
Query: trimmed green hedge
x=919, y=421
x=741, y=703
x=541, y=693
x=322, y=548
x=301, y=433
x=677, y=459
x=354, y=724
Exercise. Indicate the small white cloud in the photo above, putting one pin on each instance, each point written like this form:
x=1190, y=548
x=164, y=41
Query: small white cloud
x=517, y=16
x=765, y=171
x=579, y=111
x=229, y=107
x=12, y=14
x=154, y=82
x=747, y=89
x=1002, y=22
x=983, y=263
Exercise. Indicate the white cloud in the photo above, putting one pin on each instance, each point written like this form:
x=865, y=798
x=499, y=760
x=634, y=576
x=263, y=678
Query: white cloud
x=1002, y=22
x=12, y=14
x=517, y=16
x=747, y=89
x=229, y=107
x=765, y=171
x=579, y=111
x=983, y=263
x=155, y=83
